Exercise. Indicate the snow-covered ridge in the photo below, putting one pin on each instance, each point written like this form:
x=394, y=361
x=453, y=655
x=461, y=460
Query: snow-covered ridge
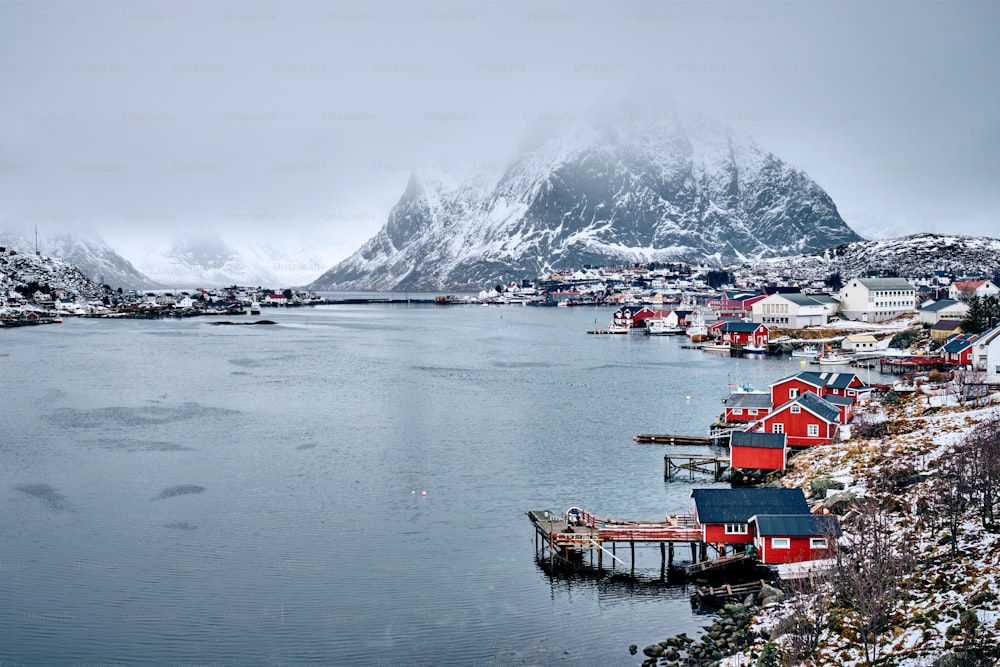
x=598, y=193
x=912, y=256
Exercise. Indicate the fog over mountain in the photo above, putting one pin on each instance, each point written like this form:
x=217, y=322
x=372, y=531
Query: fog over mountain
x=621, y=189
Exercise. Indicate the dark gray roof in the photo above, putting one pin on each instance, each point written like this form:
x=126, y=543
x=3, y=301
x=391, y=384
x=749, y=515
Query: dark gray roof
x=757, y=439
x=752, y=401
x=833, y=399
x=817, y=379
x=741, y=327
x=959, y=342
x=738, y=505
x=796, y=525
x=817, y=406
x=939, y=305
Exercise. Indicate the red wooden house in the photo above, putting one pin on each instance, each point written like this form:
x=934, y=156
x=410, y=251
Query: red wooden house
x=806, y=420
x=632, y=316
x=843, y=403
x=821, y=384
x=757, y=451
x=958, y=349
x=746, y=407
x=744, y=333
x=724, y=514
x=794, y=538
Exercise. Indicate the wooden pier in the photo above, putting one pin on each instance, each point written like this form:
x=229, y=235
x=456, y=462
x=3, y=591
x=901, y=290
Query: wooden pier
x=716, y=466
x=566, y=538
x=712, y=595
x=716, y=565
x=684, y=440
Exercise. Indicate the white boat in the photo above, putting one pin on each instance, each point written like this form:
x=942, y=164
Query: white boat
x=832, y=359
x=754, y=349
x=717, y=347
x=661, y=328
x=808, y=352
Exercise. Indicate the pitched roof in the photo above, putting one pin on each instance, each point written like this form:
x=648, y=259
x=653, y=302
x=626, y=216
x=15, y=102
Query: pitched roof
x=757, y=440
x=796, y=525
x=752, y=401
x=738, y=505
x=741, y=327
x=886, y=284
x=833, y=399
x=818, y=379
x=862, y=338
x=968, y=284
x=946, y=325
x=960, y=342
x=814, y=404
x=941, y=304
x=802, y=299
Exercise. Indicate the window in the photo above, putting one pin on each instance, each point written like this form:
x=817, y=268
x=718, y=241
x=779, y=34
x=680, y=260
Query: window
x=793, y=393
x=813, y=430
x=777, y=428
x=737, y=411
x=752, y=412
x=795, y=409
x=817, y=543
x=736, y=529
x=781, y=543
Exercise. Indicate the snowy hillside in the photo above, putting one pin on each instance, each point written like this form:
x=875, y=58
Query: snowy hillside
x=912, y=256
x=20, y=270
x=85, y=250
x=602, y=193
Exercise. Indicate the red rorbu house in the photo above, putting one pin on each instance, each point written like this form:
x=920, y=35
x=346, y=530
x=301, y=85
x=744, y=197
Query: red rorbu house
x=794, y=538
x=744, y=333
x=757, y=451
x=746, y=407
x=806, y=421
x=734, y=302
x=958, y=349
x=724, y=514
x=632, y=316
x=821, y=384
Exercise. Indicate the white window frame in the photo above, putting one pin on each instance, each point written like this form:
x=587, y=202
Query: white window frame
x=793, y=393
x=813, y=431
x=781, y=543
x=777, y=427
x=737, y=411
x=736, y=529
x=752, y=411
x=818, y=543
x=795, y=409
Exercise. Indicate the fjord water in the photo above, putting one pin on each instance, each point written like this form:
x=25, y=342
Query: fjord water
x=175, y=492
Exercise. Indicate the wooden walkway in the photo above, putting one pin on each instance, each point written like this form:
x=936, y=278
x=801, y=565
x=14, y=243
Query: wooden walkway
x=717, y=564
x=713, y=594
x=686, y=440
x=580, y=530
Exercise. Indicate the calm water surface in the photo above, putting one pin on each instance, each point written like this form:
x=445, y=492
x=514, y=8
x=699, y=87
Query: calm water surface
x=174, y=492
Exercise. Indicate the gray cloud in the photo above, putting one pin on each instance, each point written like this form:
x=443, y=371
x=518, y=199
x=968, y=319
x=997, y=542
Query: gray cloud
x=305, y=119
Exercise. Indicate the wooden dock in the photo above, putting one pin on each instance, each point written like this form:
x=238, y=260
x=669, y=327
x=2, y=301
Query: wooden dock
x=674, y=464
x=566, y=538
x=684, y=440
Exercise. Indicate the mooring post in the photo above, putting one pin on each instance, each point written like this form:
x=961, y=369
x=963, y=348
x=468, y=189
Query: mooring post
x=670, y=562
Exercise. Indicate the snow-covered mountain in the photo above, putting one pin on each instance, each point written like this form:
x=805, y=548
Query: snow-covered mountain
x=85, y=250
x=909, y=256
x=598, y=193
x=28, y=270
x=211, y=261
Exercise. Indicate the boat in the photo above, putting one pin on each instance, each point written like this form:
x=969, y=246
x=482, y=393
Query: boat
x=754, y=349
x=661, y=328
x=832, y=359
x=717, y=347
x=255, y=308
x=613, y=329
x=807, y=352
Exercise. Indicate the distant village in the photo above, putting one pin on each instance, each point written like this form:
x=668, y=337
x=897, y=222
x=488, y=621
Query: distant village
x=730, y=310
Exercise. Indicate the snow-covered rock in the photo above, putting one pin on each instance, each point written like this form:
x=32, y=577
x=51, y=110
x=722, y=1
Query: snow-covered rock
x=598, y=193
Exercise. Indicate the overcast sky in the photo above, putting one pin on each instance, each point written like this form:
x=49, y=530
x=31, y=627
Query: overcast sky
x=305, y=119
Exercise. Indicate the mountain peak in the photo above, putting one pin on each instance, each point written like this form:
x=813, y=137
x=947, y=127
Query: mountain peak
x=620, y=188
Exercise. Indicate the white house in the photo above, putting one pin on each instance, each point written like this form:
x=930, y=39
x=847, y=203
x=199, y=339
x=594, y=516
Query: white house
x=933, y=312
x=792, y=311
x=961, y=290
x=859, y=343
x=986, y=355
x=877, y=299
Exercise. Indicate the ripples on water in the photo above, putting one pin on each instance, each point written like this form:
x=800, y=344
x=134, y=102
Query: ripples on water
x=176, y=492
